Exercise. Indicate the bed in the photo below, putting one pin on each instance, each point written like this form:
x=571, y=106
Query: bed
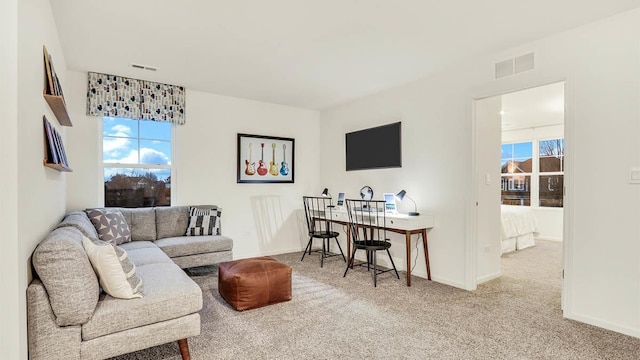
x=519, y=227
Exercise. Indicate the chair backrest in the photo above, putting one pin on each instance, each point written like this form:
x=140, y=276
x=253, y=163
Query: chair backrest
x=368, y=220
x=318, y=212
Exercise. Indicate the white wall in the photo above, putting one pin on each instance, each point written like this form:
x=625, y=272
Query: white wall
x=11, y=321
x=40, y=191
x=600, y=63
x=550, y=225
x=261, y=218
x=487, y=214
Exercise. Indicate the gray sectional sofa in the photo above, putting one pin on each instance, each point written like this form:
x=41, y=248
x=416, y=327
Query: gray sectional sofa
x=69, y=318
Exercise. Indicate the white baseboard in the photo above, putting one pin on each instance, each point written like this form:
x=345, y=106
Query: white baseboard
x=604, y=324
x=550, y=238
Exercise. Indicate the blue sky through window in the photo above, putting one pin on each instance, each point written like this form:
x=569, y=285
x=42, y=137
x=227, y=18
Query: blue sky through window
x=517, y=152
x=127, y=141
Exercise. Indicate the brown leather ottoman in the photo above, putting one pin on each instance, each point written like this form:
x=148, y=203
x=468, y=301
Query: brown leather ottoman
x=255, y=282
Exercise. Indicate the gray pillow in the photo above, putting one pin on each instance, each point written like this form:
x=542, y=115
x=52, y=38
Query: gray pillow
x=110, y=225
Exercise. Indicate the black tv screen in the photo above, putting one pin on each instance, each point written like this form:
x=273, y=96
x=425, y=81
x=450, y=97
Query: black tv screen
x=374, y=148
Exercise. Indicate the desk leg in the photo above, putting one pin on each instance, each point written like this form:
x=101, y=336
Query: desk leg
x=408, y=247
x=425, y=243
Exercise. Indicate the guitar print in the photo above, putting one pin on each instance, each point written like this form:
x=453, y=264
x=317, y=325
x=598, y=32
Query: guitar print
x=251, y=166
x=284, y=170
x=262, y=170
x=273, y=166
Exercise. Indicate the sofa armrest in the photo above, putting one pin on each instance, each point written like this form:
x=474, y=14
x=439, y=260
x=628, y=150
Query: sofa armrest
x=47, y=340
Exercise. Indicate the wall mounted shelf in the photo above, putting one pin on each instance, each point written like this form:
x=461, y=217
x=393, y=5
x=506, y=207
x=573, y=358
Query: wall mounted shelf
x=57, y=105
x=59, y=167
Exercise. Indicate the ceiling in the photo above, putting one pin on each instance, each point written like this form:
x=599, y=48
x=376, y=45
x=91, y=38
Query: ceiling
x=535, y=107
x=305, y=53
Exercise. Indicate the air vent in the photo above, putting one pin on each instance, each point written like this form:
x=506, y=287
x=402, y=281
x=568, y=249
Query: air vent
x=523, y=63
x=516, y=65
x=144, y=67
x=504, y=68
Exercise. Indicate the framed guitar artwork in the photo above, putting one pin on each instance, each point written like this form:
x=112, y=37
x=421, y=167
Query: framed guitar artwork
x=265, y=159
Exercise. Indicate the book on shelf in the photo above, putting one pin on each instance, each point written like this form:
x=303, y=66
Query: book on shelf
x=47, y=66
x=52, y=154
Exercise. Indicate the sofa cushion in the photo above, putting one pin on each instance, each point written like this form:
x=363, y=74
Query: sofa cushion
x=116, y=273
x=148, y=253
x=204, y=221
x=171, y=221
x=169, y=294
x=142, y=223
x=80, y=221
x=110, y=225
x=64, y=268
x=192, y=245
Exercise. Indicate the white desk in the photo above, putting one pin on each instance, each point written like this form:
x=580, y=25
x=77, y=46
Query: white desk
x=400, y=224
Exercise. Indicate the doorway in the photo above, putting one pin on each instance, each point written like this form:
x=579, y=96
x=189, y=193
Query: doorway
x=519, y=167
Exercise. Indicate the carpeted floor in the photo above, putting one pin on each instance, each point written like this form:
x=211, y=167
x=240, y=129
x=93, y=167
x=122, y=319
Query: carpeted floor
x=517, y=316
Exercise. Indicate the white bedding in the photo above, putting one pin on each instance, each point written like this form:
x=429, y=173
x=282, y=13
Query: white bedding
x=518, y=228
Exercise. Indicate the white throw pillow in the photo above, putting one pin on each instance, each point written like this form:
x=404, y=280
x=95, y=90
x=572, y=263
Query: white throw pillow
x=116, y=273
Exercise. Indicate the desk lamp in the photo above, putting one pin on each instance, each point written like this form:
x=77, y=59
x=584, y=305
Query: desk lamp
x=325, y=193
x=401, y=195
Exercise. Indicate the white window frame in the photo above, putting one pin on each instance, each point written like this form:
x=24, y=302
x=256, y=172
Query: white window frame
x=535, y=173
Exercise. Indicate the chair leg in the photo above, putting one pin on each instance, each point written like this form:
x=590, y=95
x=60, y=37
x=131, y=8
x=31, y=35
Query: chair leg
x=340, y=247
x=350, y=263
x=375, y=268
x=307, y=248
x=323, y=254
x=184, y=349
x=392, y=264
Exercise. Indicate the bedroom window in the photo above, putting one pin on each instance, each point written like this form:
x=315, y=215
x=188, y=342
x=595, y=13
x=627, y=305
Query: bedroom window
x=137, y=162
x=551, y=165
x=516, y=162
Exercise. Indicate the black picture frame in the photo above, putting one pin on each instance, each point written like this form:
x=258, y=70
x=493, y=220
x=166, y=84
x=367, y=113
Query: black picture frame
x=254, y=165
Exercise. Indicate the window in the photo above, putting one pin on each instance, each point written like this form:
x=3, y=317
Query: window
x=533, y=173
x=516, y=161
x=136, y=156
x=551, y=165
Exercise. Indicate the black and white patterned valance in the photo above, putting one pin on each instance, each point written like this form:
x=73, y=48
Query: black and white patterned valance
x=117, y=96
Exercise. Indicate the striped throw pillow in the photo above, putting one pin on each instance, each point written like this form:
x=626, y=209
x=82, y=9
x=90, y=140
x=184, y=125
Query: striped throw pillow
x=203, y=221
x=116, y=273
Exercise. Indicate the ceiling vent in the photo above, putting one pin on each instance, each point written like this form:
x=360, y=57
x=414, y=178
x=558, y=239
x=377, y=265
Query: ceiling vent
x=144, y=67
x=516, y=65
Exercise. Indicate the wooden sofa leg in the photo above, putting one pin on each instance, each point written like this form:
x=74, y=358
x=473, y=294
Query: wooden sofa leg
x=184, y=349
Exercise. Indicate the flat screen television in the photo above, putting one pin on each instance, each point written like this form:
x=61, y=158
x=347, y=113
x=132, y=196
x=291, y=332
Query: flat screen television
x=374, y=148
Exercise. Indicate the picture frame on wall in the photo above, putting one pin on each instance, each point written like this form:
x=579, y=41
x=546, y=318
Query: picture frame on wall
x=265, y=159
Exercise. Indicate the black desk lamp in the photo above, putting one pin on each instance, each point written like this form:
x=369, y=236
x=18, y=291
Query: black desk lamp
x=325, y=193
x=401, y=195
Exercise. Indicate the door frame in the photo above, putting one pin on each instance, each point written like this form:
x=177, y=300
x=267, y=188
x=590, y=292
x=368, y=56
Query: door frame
x=471, y=241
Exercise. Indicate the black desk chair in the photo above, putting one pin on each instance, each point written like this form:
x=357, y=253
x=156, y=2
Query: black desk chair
x=368, y=231
x=318, y=213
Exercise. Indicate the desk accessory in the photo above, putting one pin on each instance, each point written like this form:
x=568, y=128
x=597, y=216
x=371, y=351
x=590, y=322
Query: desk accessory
x=401, y=195
x=366, y=193
x=390, y=203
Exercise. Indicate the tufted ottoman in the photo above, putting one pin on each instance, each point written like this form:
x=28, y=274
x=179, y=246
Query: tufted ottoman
x=255, y=282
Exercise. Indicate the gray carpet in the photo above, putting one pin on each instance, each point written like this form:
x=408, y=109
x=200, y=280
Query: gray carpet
x=517, y=316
